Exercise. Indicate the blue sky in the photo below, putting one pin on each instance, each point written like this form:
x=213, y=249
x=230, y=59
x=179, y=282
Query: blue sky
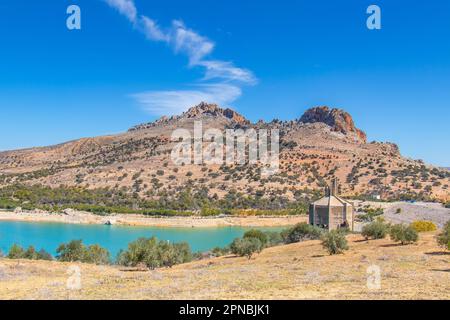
x=134, y=60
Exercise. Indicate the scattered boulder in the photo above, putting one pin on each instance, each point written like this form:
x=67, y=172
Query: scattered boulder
x=109, y=222
x=69, y=212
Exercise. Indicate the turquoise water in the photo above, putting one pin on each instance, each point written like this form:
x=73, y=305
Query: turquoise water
x=50, y=235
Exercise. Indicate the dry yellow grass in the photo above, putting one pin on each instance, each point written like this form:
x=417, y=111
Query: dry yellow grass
x=298, y=271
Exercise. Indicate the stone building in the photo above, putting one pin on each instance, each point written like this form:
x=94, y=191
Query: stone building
x=332, y=212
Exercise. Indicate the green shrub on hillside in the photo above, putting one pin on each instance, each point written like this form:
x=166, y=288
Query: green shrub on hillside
x=30, y=253
x=375, y=230
x=73, y=251
x=302, y=232
x=141, y=251
x=403, y=234
x=444, y=237
x=44, y=255
x=242, y=247
x=335, y=242
x=173, y=254
x=220, y=252
x=274, y=238
x=246, y=247
x=154, y=254
x=76, y=251
x=17, y=252
x=258, y=234
x=96, y=255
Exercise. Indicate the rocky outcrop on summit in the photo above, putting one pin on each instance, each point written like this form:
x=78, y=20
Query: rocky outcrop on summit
x=201, y=111
x=213, y=110
x=337, y=119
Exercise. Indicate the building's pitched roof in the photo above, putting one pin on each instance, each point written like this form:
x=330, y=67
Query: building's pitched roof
x=332, y=201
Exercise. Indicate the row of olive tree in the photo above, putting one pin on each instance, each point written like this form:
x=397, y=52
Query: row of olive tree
x=254, y=241
x=17, y=252
x=335, y=241
x=76, y=251
x=147, y=252
x=152, y=254
x=398, y=233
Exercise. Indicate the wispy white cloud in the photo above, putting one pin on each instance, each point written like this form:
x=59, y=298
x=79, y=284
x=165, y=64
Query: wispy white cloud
x=226, y=70
x=125, y=7
x=194, y=45
x=175, y=102
x=197, y=48
x=151, y=30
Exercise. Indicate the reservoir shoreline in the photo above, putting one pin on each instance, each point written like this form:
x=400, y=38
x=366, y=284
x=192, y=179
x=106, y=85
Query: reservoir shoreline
x=77, y=217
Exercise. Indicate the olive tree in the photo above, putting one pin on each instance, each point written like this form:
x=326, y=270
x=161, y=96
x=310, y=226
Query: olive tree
x=246, y=247
x=335, y=242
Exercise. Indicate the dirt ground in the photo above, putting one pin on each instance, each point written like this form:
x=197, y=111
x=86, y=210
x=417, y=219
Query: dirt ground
x=297, y=271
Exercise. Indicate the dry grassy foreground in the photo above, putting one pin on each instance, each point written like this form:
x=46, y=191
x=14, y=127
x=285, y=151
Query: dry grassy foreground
x=298, y=271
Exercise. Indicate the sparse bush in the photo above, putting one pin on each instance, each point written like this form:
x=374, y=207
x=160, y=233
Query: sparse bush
x=302, y=232
x=398, y=211
x=17, y=252
x=73, y=251
x=154, y=254
x=285, y=235
x=258, y=234
x=444, y=238
x=423, y=226
x=44, y=255
x=335, y=242
x=209, y=212
x=403, y=234
x=173, y=254
x=140, y=251
x=246, y=247
x=274, y=239
x=220, y=252
x=96, y=255
x=160, y=172
x=76, y=251
x=375, y=230
x=30, y=254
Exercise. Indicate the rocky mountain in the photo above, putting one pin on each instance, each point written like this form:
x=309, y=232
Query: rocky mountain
x=201, y=112
x=337, y=119
x=322, y=144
